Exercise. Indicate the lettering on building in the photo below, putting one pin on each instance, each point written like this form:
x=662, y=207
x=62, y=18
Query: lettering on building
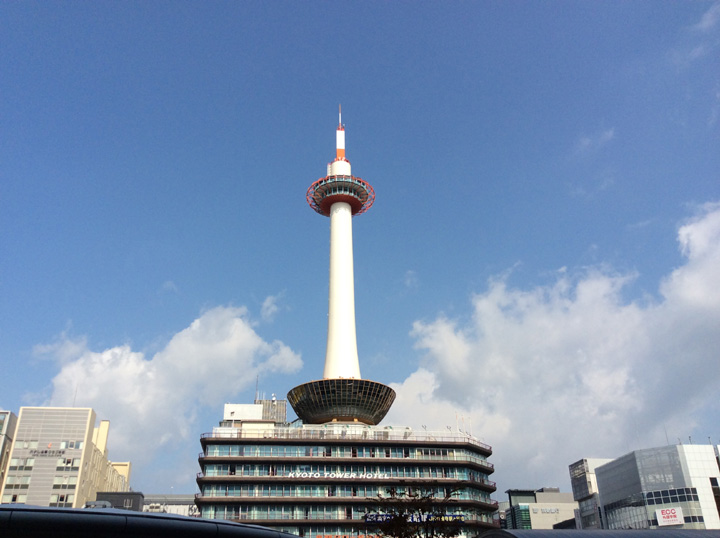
x=47, y=453
x=338, y=475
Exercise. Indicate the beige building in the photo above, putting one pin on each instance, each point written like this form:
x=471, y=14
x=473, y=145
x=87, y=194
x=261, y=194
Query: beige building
x=59, y=457
x=539, y=509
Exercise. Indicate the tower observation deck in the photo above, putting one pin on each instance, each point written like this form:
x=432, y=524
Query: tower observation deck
x=342, y=395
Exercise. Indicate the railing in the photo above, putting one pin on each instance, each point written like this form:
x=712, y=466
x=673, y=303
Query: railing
x=347, y=432
x=320, y=494
x=380, y=456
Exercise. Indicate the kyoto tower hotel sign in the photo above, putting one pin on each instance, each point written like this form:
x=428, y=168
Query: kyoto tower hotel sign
x=342, y=395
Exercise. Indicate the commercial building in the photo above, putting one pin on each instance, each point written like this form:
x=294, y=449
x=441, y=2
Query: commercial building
x=585, y=492
x=8, y=423
x=59, y=458
x=541, y=508
x=674, y=486
x=317, y=476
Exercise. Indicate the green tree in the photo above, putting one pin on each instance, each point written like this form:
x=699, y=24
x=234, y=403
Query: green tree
x=413, y=514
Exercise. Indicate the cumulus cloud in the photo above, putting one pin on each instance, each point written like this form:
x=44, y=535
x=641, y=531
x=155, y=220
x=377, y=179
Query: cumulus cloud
x=556, y=373
x=152, y=402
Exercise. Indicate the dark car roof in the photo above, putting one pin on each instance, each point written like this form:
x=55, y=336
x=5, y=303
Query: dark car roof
x=579, y=533
x=19, y=520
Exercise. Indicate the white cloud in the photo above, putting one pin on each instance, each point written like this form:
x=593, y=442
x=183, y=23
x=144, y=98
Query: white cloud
x=152, y=402
x=685, y=54
x=590, y=143
x=709, y=19
x=411, y=280
x=270, y=307
x=556, y=373
x=168, y=287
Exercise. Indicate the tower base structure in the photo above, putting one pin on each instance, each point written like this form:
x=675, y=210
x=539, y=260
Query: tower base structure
x=341, y=400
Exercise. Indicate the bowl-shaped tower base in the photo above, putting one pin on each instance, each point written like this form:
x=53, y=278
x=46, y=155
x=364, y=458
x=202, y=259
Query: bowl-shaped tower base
x=341, y=400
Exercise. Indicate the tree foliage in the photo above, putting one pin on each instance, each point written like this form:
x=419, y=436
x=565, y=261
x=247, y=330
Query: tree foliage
x=413, y=514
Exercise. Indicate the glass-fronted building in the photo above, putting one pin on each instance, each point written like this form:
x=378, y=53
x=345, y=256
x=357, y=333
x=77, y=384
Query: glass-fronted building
x=585, y=492
x=317, y=479
x=674, y=486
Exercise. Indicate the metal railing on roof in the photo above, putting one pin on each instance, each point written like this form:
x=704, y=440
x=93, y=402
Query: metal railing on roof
x=346, y=432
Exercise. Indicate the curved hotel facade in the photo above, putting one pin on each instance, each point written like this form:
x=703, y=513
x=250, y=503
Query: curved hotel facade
x=315, y=480
x=317, y=476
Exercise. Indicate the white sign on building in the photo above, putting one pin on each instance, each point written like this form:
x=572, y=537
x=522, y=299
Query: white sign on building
x=670, y=516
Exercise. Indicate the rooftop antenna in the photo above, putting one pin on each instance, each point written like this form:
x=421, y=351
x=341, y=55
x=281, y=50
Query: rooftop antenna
x=257, y=381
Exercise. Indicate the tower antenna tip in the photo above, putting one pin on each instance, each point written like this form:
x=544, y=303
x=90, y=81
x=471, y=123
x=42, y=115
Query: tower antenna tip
x=340, y=114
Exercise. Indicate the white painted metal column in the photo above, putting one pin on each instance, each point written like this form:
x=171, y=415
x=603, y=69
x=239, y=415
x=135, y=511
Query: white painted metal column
x=341, y=359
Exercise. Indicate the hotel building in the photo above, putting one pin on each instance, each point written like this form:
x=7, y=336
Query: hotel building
x=315, y=480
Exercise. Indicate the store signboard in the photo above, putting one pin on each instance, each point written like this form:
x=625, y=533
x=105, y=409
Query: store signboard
x=670, y=516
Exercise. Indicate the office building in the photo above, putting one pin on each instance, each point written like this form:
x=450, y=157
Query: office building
x=59, y=457
x=538, y=508
x=8, y=423
x=317, y=476
x=674, y=486
x=584, y=486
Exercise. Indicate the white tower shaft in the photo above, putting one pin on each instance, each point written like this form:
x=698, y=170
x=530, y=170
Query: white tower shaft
x=341, y=359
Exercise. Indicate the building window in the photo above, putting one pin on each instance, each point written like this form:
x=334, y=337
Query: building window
x=62, y=500
x=71, y=444
x=18, y=498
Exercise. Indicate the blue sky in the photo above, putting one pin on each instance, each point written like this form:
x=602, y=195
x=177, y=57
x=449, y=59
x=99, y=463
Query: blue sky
x=541, y=265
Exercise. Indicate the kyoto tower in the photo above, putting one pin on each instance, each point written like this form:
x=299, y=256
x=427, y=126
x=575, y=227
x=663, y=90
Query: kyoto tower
x=342, y=395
